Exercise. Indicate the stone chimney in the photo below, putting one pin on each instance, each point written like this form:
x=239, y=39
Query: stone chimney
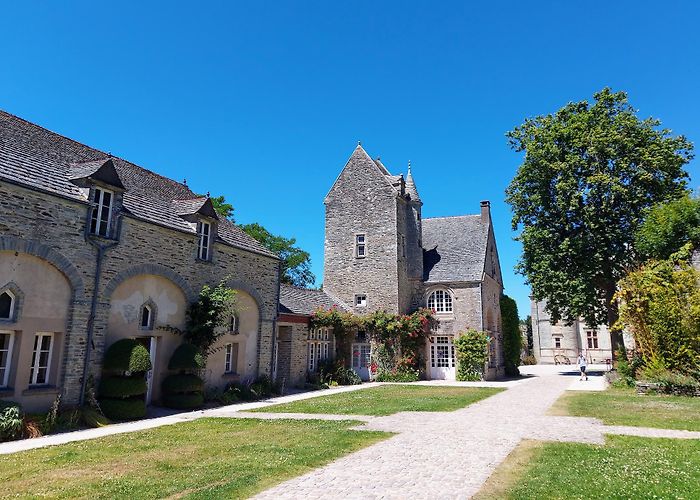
x=486, y=211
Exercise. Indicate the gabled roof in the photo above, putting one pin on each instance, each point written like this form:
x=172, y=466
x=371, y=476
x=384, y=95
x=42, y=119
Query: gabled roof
x=295, y=300
x=197, y=206
x=103, y=171
x=454, y=248
x=40, y=159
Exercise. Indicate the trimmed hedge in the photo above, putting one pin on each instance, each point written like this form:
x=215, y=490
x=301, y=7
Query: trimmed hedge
x=183, y=401
x=127, y=355
x=122, y=387
x=186, y=357
x=123, y=409
x=179, y=383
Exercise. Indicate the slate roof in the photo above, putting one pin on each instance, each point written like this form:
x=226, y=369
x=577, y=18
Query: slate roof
x=294, y=300
x=454, y=248
x=40, y=159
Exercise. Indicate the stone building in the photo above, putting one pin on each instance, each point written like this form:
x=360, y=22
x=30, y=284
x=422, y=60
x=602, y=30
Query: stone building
x=561, y=343
x=94, y=249
x=381, y=254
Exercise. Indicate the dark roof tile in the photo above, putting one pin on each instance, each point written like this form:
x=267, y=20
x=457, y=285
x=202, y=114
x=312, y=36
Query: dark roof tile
x=454, y=248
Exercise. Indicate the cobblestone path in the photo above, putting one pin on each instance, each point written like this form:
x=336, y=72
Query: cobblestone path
x=450, y=454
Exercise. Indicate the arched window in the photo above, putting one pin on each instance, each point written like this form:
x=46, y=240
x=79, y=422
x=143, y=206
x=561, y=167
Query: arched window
x=7, y=305
x=440, y=301
x=233, y=323
x=147, y=317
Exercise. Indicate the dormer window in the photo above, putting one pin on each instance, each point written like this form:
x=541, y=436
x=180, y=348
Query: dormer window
x=7, y=305
x=203, y=240
x=147, y=318
x=101, y=212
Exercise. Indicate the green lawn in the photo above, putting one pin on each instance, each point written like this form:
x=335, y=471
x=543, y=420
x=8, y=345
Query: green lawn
x=206, y=458
x=388, y=399
x=625, y=407
x=626, y=467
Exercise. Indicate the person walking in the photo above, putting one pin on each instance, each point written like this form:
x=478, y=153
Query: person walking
x=582, y=366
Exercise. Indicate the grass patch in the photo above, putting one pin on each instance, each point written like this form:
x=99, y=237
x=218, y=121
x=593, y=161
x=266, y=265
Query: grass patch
x=625, y=467
x=625, y=407
x=206, y=458
x=387, y=400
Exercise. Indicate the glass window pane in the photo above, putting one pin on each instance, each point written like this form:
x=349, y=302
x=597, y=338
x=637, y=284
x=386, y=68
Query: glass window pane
x=5, y=305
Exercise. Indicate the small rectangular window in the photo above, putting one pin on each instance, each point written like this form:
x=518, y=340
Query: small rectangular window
x=41, y=359
x=557, y=342
x=360, y=246
x=403, y=246
x=203, y=239
x=592, y=336
x=231, y=358
x=6, y=342
x=361, y=300
x=101, y=212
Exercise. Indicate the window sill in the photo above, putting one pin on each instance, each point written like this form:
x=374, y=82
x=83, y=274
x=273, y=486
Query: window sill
x=6, y=392
x=36, y=390
x=203, y=261
x=231, y=375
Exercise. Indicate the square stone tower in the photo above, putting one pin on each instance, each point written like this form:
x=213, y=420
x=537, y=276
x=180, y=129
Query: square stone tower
x=373, y=255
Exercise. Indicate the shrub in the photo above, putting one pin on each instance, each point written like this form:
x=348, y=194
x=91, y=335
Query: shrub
x=182, y=382
x=529, y=360
x=122, y=387
x=187, y=357
x=403, y=374
x=93, y=418
x=512, y=338
x=127, y=355
x=471, y=349
x=11, y=421
x=124, y=409
x=184, y=401
x=335, y=372
x=677, y=383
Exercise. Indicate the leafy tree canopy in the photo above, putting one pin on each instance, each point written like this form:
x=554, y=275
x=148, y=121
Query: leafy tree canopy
x=296, y=263
x=589, y=172
x=667, y=227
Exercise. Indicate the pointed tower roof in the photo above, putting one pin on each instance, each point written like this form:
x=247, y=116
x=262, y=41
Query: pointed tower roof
x=411, y=185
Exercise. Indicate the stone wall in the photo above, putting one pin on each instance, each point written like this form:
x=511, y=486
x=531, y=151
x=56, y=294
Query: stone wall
x=362, y=201
x=53, y=228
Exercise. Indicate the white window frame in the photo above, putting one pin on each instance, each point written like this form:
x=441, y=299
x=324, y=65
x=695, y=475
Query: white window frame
x=233, y=325
x=8, y=366
x=13, y=304
x=228, y=358
x=441, y=301
x=149, y=324
x=591, y=339
x=203, y=240
x=98, y=208
x=361, y=300
x=360, y=243
x=319, y=347
x=556, y=338
x=36, y=353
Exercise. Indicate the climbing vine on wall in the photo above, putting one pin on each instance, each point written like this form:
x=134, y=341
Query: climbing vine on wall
x=397, y=341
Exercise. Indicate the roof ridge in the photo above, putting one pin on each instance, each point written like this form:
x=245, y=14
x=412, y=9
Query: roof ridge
x=452, y=216
x=108, y=154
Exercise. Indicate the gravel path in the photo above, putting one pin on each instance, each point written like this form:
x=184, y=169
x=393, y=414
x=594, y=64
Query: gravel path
x=451, y=454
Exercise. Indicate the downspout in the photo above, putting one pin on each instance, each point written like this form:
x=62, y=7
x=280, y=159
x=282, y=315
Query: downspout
x=101, y=249
x=274, y=322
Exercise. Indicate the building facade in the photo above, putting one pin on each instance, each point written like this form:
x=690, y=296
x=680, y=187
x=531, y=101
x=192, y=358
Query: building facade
x=381, y=254
x=94, y=249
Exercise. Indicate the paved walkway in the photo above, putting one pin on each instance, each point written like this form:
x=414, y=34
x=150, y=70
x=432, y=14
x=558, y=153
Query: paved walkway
x=451, y=454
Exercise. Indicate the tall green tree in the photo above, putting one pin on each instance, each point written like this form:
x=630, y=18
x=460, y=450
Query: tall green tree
x=296, y=263
x=512, y=339
x=589, y=172
x=667, y=227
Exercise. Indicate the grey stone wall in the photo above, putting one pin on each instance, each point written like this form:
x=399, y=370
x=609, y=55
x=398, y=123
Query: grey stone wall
x=31, y=219
x=362, y=201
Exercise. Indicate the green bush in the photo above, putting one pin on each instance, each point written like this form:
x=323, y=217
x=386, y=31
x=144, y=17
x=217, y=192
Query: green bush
x=403, y=374
x=11, y=421
x=471, y=348
x=187, y=357
x=335, y=371
x=676, y=383
x=181, y=383
x=184, y=401
x=122, y=387
x=512, y=339
x=529, y=360
x=127, y=355
x=123, y=409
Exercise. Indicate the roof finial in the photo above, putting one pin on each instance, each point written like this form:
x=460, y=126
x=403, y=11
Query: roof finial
x=409, y=166
x=184, y=181
x=359, y=143
x=208, y=195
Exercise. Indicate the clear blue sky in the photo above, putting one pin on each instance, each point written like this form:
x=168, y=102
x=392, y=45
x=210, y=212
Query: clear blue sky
x=264, y=101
